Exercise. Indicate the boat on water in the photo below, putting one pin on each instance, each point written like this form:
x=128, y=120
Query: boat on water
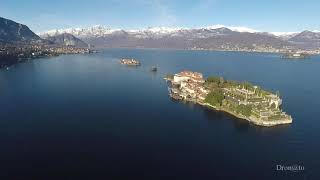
x=154, y=69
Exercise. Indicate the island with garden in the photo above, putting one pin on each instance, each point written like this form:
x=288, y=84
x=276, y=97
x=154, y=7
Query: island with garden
x=241, y=99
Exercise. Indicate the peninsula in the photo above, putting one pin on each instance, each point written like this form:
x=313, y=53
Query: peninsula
x=241, y=99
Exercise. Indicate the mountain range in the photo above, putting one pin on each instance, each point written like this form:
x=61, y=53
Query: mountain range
x=213, y=37
x=217, y=37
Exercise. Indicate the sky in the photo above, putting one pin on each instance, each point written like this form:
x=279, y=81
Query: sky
x=262, y=15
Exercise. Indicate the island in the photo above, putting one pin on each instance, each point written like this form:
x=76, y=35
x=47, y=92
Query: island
x=130, y=62
x=240, y=99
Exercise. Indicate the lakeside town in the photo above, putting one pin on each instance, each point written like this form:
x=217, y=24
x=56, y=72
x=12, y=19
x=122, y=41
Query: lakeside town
x=15, y=54
x=241, y=99
x=262, y=49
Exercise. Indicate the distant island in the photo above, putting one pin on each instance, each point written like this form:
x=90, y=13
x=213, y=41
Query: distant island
x=130, y=62
x=241, y=99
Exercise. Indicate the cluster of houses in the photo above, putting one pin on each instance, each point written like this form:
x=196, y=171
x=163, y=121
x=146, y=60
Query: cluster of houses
x=10, y=54
x=189, y=86
x=38, y=50
x=70, y=50
x=130, y=62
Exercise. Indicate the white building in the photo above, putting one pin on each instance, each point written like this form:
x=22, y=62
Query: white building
x=188, y=75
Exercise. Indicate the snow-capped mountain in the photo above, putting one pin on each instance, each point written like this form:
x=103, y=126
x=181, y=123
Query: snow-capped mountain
x=285, y=35
x=159, y=30
x=306, y=36
x=234, y=28
x=95, y=31
x=215, y=36
x=309, y=39
x=101, y=31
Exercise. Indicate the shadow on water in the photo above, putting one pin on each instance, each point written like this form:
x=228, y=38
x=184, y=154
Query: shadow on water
x=217, y=116
x=240, y=125
x=278, y=128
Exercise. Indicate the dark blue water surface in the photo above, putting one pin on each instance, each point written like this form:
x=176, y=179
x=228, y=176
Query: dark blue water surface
x=87, y=116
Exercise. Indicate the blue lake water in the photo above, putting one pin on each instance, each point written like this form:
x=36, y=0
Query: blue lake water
x=87, y=116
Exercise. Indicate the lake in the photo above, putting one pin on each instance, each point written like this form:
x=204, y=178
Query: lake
x=87, y=116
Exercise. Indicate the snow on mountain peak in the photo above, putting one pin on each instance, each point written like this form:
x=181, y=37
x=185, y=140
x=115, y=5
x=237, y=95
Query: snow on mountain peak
x=233, y=28
x=284, y=35
x=101, y=31
x=279, y=34
x=243, y=29
x=97, y=30
x=216, y=26
x=162, y=30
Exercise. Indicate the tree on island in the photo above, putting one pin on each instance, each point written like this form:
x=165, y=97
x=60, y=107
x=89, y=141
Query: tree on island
x=215, y=98
x=245, y=110
x=213, y=79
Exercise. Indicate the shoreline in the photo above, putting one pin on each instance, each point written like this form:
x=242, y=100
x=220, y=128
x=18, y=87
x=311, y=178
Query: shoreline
x=249, y=119
x=239, y=116
x=207, y=50
x=12, y=59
